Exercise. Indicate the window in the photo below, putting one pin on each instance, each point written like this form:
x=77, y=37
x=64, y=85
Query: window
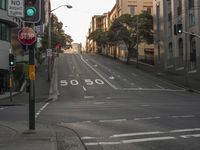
x=132, y=10
x=191, y=13
x=193, y=62
x=2, y=4
x=4, y=32
x=170, y=48
x=149, y=10
x=180, y=47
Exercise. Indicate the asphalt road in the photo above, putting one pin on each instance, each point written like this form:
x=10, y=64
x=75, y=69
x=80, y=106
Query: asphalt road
x=114, y=106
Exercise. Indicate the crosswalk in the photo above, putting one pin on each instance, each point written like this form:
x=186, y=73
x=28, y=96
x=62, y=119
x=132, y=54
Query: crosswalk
x=142, y=137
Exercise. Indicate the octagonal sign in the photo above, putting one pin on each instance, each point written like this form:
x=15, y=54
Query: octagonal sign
x=27, y=36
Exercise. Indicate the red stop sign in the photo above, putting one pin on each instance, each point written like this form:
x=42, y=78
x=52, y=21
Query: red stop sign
x=27, y=36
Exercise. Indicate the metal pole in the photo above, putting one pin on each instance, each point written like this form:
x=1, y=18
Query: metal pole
x=32, y=88
x=49, y=46
x=137, y=63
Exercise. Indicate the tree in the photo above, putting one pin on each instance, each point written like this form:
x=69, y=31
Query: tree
x=100, y=37
x=132, y=31
x=57, y=34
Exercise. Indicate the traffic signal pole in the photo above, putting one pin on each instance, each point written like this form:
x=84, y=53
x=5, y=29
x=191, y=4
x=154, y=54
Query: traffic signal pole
x=32, y=88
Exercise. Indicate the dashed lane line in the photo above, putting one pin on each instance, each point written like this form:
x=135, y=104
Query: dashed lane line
x=40, y=110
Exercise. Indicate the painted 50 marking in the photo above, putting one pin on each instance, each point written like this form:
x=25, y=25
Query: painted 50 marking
x=88, y=82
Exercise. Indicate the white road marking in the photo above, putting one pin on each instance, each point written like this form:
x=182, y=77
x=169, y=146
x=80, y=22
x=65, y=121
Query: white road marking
x=148, y=139
x=116, y=120
x=147, y=118
x=88, y=138
x=185, y=116
x=111, y=77
x=88, y=97
x=159, y=86
x=136, y=134
x=113, y=86
x=185, y=130
x=190, y=136
x=108, y=97
x=131, y=141
x=41, y=109
x=2, y=108
x=84, y=89
x=134, y=74
x=150, y=89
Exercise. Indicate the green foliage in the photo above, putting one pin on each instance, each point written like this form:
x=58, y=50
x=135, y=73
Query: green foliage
x=57, y=34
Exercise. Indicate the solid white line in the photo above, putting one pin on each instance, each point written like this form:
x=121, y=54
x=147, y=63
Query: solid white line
x=131, y=141
x=88, y=97
x=148, y=139
x=102, y=143
x=136, y=134
x=149, y=89
x=185, y=116
x=190, y=135
x=116, y=120
x=2, y=108
x=41, y=109
x=147, y=118
x=88, y=138
x=113, y=86
x=184, y=130
x=84, y=88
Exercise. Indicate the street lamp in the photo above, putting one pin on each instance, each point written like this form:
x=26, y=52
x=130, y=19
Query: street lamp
x=49, y=34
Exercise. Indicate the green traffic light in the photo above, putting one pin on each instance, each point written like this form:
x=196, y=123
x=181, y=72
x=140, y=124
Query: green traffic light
x=31, y=11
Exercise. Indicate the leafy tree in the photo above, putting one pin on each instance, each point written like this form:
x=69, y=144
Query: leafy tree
x=57, y=34
x=126, y=28
x=100, y=37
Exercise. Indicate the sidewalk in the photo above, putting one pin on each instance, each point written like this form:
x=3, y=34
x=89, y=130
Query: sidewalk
x=41, y=89
x=16, y=136
x=13, y=136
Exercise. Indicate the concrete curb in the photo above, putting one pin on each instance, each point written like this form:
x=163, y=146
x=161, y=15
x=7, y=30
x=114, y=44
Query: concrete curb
x=53, y=90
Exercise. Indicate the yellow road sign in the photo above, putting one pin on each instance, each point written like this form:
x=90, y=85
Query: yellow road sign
x=31, y=72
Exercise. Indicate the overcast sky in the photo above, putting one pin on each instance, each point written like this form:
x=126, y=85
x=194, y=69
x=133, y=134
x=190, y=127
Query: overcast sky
x=79, y=17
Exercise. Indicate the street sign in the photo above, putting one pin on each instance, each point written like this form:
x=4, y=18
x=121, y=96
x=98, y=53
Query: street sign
x=31, y=72
x=16, y=8
x=27, y=36
x=49, y=52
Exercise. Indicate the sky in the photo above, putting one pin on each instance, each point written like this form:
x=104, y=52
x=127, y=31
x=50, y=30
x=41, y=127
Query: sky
x=76, y=21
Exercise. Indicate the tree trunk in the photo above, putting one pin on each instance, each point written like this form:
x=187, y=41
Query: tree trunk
x=128, y=58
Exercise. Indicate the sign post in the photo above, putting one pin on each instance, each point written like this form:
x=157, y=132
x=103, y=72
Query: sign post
x=27, y=37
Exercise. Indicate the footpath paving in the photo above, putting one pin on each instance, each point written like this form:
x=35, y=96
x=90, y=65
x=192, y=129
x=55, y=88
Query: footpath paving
x=14, y=136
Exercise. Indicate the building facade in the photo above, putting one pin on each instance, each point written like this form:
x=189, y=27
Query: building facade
x=6, y=24
x=177, y=53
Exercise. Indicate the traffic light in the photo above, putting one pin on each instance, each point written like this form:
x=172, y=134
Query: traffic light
x=32, y=12
x=178, y=29
x=11, y=60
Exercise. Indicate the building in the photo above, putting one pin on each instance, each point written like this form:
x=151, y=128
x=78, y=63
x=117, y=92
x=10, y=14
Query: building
x=6, y=25
x=177, y=53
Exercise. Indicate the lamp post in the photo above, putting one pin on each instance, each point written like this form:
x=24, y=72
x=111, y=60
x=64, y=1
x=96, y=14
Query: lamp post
x=49, y=37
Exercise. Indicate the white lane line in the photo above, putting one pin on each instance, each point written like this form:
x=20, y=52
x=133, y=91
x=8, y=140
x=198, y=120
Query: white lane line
x=102, y=143
x=159, y=86
x=190, y=136
x=84, y=89
x=136, y=134
x=88, y=97
x=147, y=118
x=116, y=120
x=41, y=109
x=111, y=85
x=131, y=141
x=185, y=130
x=111, y=78
x=88, y=138
x=2, y=108
x=148, y=139
x=150, y=89
x=185, y=116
